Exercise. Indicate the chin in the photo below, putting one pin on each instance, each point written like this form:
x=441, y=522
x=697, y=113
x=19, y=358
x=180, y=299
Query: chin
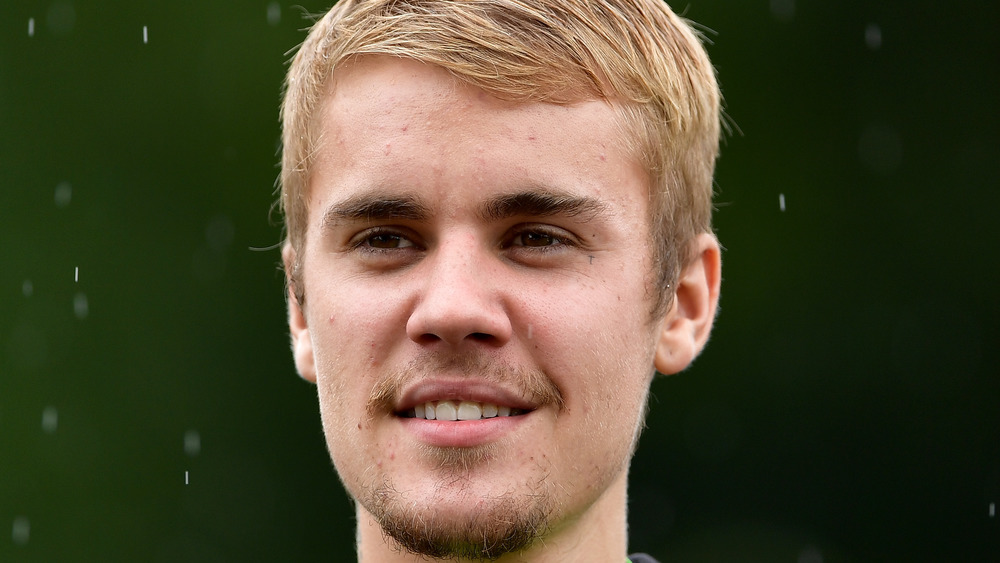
x=460, y=523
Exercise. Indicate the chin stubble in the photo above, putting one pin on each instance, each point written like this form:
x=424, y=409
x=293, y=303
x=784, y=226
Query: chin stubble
x=504, y=524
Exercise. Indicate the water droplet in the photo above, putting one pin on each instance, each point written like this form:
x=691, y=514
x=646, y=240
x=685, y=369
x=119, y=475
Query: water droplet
x=880, y=149
x=50, y=419
x=192, y=443
x=783, y=10
x=273, y=13
x=781, y=201
x=219, y=233
x=993, y=509
x=145, y=35
x=31, y=27
x=80, y=306
x=185, y=477
x=60, y=18
x=810, y=554
x=64, y=193
x=873, y=36
x=21, y=530
x=76, y=274
x=27, y=289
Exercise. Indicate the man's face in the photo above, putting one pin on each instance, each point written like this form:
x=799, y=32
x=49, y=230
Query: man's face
x=484, y=260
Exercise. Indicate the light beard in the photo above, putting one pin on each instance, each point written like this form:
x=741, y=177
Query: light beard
x=506, y=523
x=503, y=524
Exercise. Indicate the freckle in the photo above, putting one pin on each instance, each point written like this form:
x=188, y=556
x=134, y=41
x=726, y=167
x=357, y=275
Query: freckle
x=359, y=426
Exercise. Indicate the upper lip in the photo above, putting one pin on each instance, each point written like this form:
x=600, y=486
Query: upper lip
x=463, y=389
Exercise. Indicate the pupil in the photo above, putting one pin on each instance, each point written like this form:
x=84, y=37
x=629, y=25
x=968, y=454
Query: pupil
x=384, y=241
x=537, y=239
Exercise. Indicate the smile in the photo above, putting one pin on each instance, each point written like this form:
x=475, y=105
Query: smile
x=460, y=410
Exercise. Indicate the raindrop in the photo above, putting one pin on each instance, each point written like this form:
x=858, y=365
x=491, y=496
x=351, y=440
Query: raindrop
x=27, y=289
x=192, y=443
x=781, y=201
x=880, y=149
x=50, y=419
x=145, y=35
x=64, y=193
x=80, y=307
x=21, y=530
x=810, y=554
x=993, y=510
x=219, y=233
x=783, y=10
x=273, y=13
x=60, y=18
x=31, y=27
x=185, y=477
x=873, y=36
x=76, y=274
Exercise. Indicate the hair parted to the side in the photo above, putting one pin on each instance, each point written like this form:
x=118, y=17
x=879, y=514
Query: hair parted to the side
x=637, y=54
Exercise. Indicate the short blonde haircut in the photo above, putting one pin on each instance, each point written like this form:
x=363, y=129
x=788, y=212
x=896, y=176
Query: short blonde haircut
x=636, y=54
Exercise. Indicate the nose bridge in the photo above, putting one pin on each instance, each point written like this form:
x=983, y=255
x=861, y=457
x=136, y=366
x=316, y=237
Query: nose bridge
x=459, y=298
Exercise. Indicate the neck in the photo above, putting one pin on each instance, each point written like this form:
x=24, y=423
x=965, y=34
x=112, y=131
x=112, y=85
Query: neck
x=596, y=533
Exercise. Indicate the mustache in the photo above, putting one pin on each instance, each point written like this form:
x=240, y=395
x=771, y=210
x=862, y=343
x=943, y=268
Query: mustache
x=532, y=384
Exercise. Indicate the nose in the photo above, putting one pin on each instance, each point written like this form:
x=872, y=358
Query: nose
x=460, y=299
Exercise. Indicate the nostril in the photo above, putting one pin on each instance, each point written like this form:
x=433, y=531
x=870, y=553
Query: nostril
x=480, y=336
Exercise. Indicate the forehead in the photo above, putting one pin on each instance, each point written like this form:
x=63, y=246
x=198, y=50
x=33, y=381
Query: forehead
x=396, y=123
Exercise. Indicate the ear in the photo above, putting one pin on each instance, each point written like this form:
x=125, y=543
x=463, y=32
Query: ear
x=686, y=327
x=302, y=349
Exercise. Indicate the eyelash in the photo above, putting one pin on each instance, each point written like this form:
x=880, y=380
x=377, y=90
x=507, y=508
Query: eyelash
x=559, y=238
x=361, y=242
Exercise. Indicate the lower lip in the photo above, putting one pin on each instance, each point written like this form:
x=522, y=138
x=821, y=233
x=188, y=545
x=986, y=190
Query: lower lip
x=462, y=433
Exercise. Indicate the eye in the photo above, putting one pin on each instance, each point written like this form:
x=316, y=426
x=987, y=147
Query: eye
x=387, y=241
x=535, y=239
x=382, y=239
x=539, y=238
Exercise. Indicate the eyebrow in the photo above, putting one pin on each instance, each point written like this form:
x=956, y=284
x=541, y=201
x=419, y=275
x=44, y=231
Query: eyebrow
x=541, y=203
x=375, y=206
x=379, y=206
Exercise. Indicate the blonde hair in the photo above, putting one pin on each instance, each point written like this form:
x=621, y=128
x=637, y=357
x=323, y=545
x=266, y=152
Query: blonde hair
x=637, y=54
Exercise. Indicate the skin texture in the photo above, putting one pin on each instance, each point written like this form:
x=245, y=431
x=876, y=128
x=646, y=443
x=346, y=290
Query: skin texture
x=511, y=263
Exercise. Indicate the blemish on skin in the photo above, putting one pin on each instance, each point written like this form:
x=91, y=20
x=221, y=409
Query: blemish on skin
x=405, y=127
x=603, y=158
x=531, y=138
x=388, y=148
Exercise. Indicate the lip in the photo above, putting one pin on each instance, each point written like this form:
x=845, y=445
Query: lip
x=462, y=389
x=462, y=433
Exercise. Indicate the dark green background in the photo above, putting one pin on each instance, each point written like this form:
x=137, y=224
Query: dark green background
x=846, y=409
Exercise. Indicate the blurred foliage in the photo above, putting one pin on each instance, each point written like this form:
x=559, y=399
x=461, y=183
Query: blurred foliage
x=846, y=409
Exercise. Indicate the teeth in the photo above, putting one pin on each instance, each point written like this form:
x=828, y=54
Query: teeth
x=459, y=410
x=446, y=411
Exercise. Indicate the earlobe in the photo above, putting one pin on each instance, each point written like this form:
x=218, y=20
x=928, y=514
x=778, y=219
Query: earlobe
x=298, y=328
x=686, y=328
